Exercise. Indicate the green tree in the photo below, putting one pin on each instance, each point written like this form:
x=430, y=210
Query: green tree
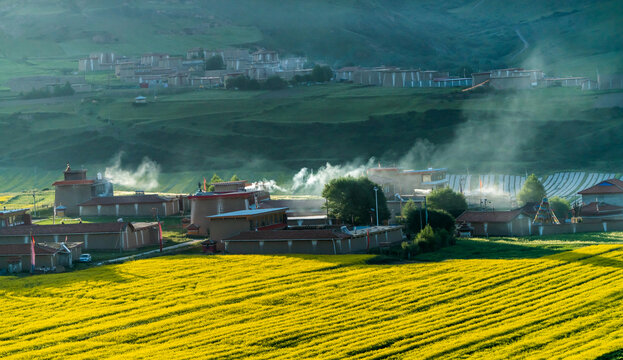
x=560, y=206
x=235, y=178
x=407, y=207
x=321, y=73
x=274, y=83
x=448, y=200
x=215, y=63
x=215, y=179
x=532, y=190
x=437, y=219
x=352, y=199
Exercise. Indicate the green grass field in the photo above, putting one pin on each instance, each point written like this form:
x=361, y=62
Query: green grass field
x=504, y=304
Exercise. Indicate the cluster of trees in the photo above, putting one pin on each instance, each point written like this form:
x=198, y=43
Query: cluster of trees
x=65, y=90
x=428, y=240
x=533, y=191
x=215, y=63
x=352, y=200
x=319, y=74
x=244, y=82
x=217, y=179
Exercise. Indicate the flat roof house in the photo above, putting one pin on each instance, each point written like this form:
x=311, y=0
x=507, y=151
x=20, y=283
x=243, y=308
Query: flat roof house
x=98, y=236
x=143, y=205
x=227, y=224
x=16, y=258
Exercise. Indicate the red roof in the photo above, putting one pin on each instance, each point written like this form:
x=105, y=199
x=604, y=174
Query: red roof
x=602, y=209
x=63, y=229
x=73, y=182
x=288, y=235
x=611, y=186
x=489, y=216
x=24, y=249
x=129, y=199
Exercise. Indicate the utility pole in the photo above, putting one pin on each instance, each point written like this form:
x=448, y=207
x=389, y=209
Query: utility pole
x=376, y=196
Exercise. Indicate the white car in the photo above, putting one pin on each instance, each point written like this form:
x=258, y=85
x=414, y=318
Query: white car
x=85, y=258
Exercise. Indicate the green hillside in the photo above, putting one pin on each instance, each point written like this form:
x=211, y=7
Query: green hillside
x=563, y=37
x=274, y=134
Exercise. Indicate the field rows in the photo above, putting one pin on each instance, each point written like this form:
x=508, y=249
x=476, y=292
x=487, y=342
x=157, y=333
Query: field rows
x=559, y=306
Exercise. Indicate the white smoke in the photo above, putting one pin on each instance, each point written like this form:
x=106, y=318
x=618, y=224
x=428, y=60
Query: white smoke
x=266, y=185
x=145, y=177
x=309, y=182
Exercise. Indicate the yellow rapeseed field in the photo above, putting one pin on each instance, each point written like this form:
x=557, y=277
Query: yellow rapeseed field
x=563, y=306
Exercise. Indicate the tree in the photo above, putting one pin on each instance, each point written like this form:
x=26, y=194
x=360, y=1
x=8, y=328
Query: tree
x=437, y=219
x=532, y=191
x=235, y=178
x=560, y=206
x=242, y=82
x=448, y=200
x=275, y=83
x=215, y=63
x=215, y=179
x=408, y=207
x=352, y=200
x=321, y=73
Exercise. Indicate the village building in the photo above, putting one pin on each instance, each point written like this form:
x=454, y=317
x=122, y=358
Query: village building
x=317, y=241
x=399, y=181
x=99, y=61
x=227, y=197
x=515, y=79
x=564, y=81
x=138, y=205
x=14, y=217
x=292, y=63
x=264, y=64
x=606, y=192
x=30, y=83
x=518, y=222
x=75, y=189
x=610, y=81
x=596, y=211
x=153, y=59
x=16, y=258
x=481, y=77
x=93, y=236
x=301, y=212
x=228, y=224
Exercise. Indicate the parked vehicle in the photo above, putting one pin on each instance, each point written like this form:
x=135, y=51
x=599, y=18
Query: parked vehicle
x=85, y=258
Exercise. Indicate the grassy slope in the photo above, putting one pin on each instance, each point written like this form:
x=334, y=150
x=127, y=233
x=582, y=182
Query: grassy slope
x=540, y=305
x=273, y=134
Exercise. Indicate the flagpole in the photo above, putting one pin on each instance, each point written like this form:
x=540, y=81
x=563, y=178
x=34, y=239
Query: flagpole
x=32, y=253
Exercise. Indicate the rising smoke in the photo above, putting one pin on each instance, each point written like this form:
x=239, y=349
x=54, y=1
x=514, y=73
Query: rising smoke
x=144, y=177
x=307, y=181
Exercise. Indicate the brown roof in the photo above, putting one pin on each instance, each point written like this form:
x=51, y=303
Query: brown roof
x=24, y=249
x=611, y=186
x=73, y=182
x=63, y=229
x=489, y=216
x=299, y=207
x=601, y=209
x=288, y=235
x=229, y=182
x=128, y=199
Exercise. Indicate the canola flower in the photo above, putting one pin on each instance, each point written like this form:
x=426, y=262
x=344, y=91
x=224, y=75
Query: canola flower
x=564, y=306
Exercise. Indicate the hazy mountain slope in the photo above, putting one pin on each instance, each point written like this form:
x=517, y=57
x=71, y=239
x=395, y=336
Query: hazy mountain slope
x=562, y=36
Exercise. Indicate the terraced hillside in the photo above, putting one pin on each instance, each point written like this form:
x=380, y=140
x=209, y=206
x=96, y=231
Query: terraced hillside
x=563, y=305
x=562, y=184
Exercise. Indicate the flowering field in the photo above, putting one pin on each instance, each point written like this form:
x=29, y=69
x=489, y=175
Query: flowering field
x=567, y=305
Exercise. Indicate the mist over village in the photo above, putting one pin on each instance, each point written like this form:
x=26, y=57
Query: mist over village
x=328, y=179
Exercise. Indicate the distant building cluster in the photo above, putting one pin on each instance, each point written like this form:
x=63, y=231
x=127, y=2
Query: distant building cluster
x=196, y=69
x=396, y=77
x=519, y=78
